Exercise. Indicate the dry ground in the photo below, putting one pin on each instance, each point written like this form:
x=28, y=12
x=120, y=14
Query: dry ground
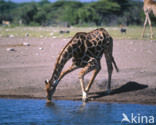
x=22, y=72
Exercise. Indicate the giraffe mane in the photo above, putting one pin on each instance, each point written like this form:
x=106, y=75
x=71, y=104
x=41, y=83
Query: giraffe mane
x=59, y=57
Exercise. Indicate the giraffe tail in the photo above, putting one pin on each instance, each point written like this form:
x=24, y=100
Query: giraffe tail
x=114, y=63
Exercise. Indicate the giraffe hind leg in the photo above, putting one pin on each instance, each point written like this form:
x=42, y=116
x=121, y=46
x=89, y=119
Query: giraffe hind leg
x=116, y=67
x=110, y=70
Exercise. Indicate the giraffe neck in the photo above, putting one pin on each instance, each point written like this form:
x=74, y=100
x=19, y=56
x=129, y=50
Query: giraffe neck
x=64, y=56
x=57, y=71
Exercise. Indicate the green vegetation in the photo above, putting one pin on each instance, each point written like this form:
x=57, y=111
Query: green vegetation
x=31, y=19
x=133, y=32
x=73, y=12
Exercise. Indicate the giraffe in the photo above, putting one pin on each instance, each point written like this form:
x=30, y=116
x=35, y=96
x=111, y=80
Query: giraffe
x=149, y=6
x=86, y=50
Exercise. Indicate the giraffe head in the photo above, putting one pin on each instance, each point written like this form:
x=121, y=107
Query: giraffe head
x=50, y=89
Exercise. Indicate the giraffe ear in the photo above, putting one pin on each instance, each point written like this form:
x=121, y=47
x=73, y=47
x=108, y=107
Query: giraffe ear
x=46, y=81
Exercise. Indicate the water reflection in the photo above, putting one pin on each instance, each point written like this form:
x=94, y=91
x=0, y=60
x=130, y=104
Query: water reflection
x=83, y=113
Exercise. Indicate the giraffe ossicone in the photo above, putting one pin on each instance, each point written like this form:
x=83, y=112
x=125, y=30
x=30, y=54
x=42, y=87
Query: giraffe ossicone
x=86, y=51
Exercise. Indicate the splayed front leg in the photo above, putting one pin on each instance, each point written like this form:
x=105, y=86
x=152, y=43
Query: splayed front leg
x=84, y=96
x=93, y=64
x=84, y=93
x=95, y=72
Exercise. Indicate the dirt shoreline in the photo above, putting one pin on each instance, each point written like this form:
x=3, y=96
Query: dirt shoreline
x=138, y=97
x=23, y=71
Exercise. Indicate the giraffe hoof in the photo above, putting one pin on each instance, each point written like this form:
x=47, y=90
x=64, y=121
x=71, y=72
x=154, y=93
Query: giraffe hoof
x=108, y=91
x=84, y=99
x=48, y=101
x=86, y=90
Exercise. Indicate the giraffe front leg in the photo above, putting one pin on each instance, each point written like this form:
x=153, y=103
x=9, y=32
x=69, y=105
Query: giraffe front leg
x=144, y=27
x=84, y=93
x=95, y=72
x=150, y=24
x=70, y=69
x=92, y=64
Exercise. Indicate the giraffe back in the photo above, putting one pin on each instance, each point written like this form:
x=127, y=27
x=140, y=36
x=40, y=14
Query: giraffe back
x=92, y=44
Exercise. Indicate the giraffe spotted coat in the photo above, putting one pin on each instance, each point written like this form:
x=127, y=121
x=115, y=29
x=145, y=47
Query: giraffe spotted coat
x=86, y=50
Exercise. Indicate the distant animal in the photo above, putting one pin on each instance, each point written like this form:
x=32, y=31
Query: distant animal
x=61, y=31
x=149, y=7
x=64, y=31
x=123, y=29
x=27, y=34
x=86, y=51
x=6, y=23
x=67, y=31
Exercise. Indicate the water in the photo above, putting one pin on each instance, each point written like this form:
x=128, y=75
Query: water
x=36, y=112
